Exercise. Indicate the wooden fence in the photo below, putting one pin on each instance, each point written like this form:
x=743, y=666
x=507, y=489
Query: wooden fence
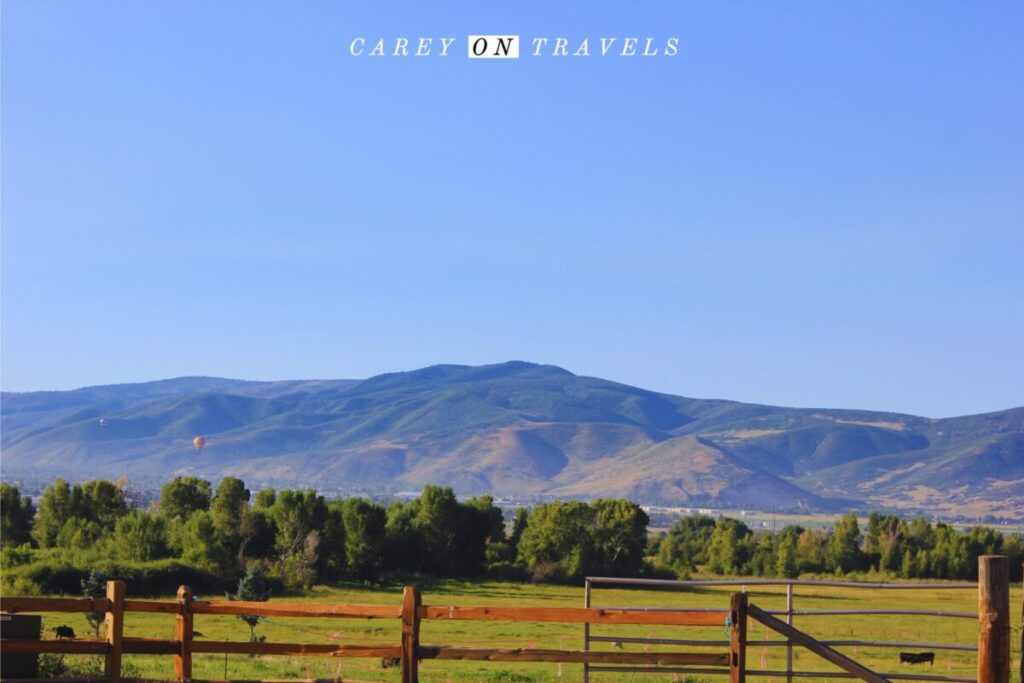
x=410, y=651
x=993, y=644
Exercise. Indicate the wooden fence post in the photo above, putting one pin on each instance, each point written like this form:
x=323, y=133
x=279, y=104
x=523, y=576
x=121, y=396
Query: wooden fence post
x=183, y=634
x=993, y=619
x=738, y=638
x=410, y=634
x=115, y=630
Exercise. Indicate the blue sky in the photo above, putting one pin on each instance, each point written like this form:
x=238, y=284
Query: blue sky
x=813, y=204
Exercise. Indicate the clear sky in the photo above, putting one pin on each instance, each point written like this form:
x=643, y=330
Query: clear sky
x=813, y=204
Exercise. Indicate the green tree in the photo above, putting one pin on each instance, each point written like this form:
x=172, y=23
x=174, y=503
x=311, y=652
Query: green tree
x=101, y=501
x=1013, y=548
x=140, y=536
x=785, y=558
x=437, y=522
x=196, y=541
x=79, y=533
x=908, y=568
x=891, y=558
x=762, y=555
x=518, y=526
x=182, y=496
x=918, y=533
x=883, y=544
x=918, y=538
x=265, y=498
x=260, y=534
x=810, y=551
x=231, y=519
x=364, y=523
x=331, y=561
x=726, y=548
x=480, y=524
x=299, y=517
x=950, y=555
x=77, y=516
x=873, y=538
x=230, y=503
x=95, y=586
x=404, y=546
x=620, y=536
x=54, y=511
x=296, y=514
x=251, y=588
x=16, y=513
x=844, y=554
x=433, y=533
x=684, y=548
x=487, y=517
x=558, y=541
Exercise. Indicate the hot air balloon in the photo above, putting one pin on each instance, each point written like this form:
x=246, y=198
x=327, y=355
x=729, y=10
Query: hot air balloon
x=199, y=442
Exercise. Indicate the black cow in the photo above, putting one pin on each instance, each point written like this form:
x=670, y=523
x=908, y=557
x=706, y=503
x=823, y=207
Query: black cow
x=388, y=662
x=64, y=633
x=917, y=657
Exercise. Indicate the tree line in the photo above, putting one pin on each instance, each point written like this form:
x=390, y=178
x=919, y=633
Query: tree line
x=210, y=537
x=299, y=538
x=888, y=546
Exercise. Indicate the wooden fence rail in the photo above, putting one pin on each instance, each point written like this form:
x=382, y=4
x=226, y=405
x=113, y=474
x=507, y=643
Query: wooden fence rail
x=993, y=646
x=409, y=651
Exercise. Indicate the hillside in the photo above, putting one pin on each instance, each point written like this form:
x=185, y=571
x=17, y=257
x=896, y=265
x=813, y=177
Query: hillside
x=520, y=429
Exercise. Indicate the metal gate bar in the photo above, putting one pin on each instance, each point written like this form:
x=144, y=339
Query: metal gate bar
x=789, y=613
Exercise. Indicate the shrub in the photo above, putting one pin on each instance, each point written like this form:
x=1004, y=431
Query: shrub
x=512, y=677
x=159, y=578
x=52, y=665
x=16, y=555
x=549, y=572
x=505, y=571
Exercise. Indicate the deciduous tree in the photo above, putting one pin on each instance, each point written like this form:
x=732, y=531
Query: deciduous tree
x=182, y=496
x=16, y=514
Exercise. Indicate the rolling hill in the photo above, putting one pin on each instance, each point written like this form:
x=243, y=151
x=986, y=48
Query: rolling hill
x=523, y=430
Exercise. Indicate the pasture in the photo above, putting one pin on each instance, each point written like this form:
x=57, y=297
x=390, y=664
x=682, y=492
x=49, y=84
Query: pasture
x=568, y=636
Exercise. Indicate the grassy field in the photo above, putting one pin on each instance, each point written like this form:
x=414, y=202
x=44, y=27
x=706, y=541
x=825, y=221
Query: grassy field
x=523, y=635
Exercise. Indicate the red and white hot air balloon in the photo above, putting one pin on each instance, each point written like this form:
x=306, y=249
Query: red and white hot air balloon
x=199, y=442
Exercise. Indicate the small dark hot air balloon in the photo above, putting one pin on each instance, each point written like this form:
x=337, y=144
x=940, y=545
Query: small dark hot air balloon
x=199, y=442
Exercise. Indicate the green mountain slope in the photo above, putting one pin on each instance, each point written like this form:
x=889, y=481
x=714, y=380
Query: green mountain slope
x=519, y=429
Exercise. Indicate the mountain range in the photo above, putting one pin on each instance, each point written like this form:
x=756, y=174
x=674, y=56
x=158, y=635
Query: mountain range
x=520, y=430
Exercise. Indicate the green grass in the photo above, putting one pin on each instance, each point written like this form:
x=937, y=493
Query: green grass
x=568, y=636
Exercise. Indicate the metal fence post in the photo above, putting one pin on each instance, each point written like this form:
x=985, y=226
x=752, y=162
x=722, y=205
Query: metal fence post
x=115, y=630
x=586, y=631
x=993, y=619
x=789, y=643
x=411, y=602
